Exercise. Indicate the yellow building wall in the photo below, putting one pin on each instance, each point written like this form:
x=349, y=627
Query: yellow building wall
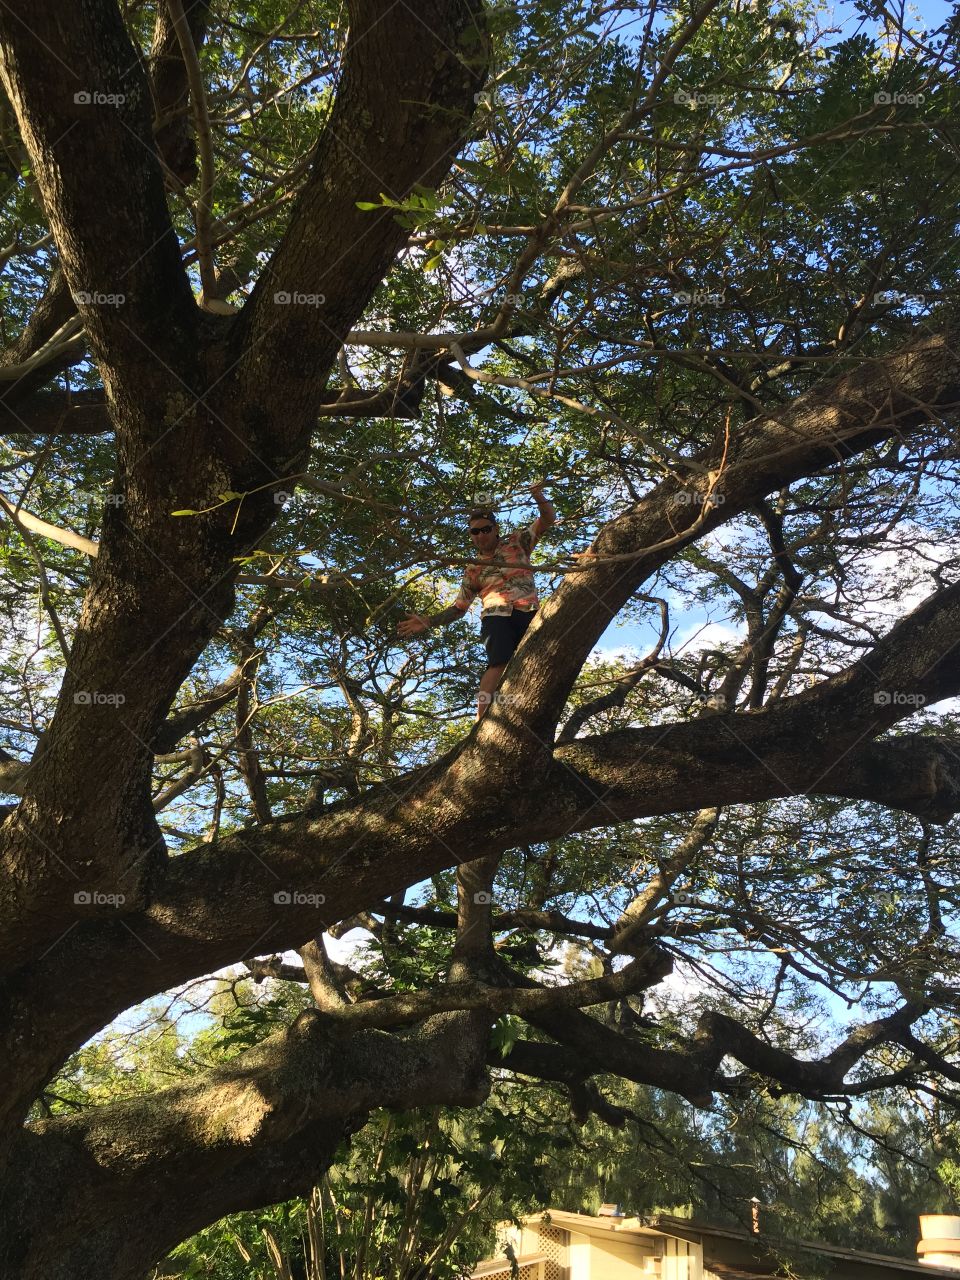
x=681, y=1260
x=612, y=1259
x=578, y=1255
x=606, y=1256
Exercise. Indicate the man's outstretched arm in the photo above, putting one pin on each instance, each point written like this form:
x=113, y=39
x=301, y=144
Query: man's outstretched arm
x=414, y=623
x=548, y=515
x=450, y=614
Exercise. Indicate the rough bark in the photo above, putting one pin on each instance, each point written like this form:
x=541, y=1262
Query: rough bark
x=109, y=1192
x=203, y=404
x=199, y=405
x=162, y=585
x=837, y=420
x=217, y=903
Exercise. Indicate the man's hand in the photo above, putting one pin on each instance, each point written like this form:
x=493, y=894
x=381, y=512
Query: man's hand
x=413, y=624
x=547, y=516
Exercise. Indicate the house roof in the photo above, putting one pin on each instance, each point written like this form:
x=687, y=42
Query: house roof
x=726, y=1272
x=588, y=1223
x=690, y=1229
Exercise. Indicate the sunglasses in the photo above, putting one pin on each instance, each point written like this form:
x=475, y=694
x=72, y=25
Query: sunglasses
x=480, y=528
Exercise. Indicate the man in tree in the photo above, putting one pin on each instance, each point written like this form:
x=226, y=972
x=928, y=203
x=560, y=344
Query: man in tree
x=156, y=836
x=503, y=579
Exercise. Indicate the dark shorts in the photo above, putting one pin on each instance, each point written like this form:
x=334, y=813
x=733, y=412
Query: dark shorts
x=501, y=633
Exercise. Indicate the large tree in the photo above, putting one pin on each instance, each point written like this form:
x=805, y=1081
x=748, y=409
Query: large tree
x=286, y=289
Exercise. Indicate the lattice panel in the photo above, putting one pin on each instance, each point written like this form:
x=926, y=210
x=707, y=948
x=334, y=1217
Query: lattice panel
x=553, y=1243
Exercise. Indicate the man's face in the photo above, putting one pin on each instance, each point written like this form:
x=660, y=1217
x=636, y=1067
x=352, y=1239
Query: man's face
x=483, y=534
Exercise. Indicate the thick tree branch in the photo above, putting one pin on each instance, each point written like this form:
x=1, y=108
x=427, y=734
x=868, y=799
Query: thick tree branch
x=591, y=1048
x=82, y=104
x=519, y=918
x=54, y=412
x=173, y=127
x=719, y=1035
x=323, y=976
x=49, y=343
x=133, y=1177
x=220, y=900
x=815, y=743
x=878, y=399
x=390, y=64
x=473, y=956
x=177, y=446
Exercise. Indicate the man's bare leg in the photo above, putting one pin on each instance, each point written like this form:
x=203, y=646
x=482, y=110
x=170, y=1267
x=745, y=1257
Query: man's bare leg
x=488, y=687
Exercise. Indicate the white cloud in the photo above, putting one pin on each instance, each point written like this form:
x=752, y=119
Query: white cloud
x=898, y=577
x=345, y=950
x=614, y=653
x=705, y=635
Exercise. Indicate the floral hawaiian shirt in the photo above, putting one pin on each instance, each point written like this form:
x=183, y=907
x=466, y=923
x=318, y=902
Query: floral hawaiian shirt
x=503, y=578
